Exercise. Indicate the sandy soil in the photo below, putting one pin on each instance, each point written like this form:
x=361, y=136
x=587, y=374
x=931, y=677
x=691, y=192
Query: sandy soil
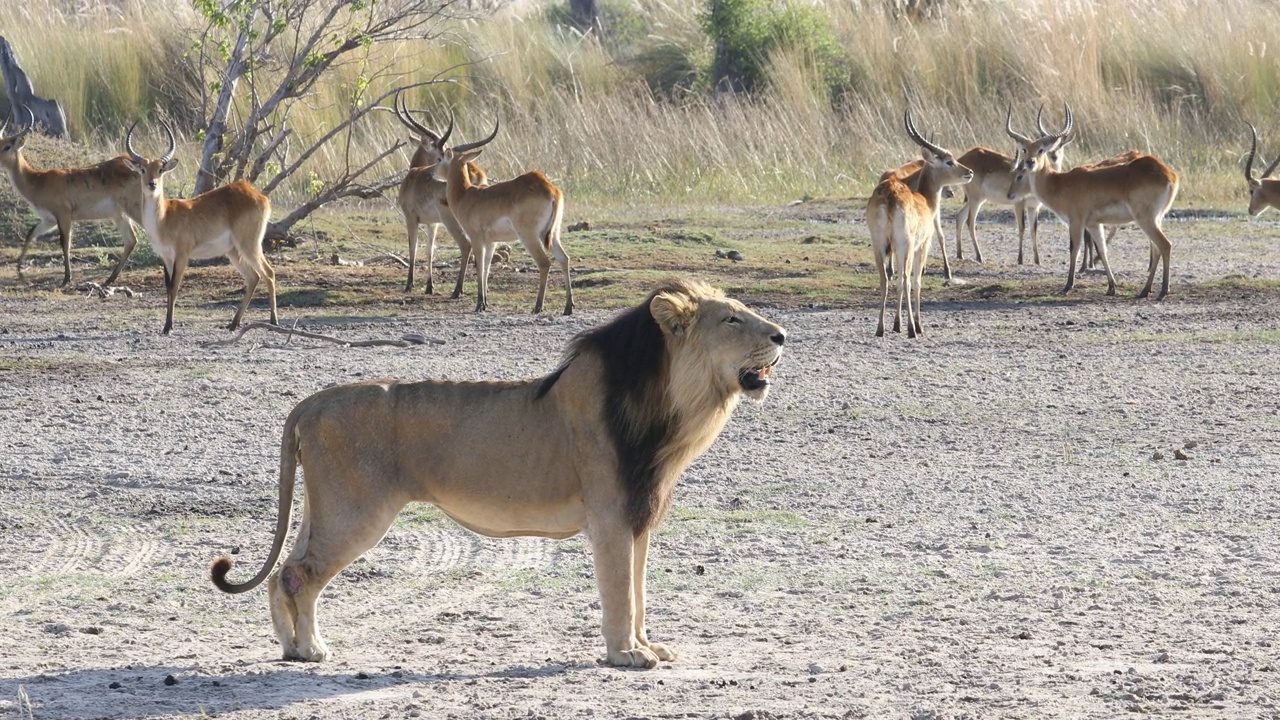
x=1041, y=509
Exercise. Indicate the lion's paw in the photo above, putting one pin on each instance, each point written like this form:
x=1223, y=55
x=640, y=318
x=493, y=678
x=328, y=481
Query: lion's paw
x=319, y=653
x=663, y=652
x=638, y=658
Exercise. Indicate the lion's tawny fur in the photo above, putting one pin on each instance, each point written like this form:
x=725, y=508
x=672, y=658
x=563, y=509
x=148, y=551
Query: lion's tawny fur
x=595, y=447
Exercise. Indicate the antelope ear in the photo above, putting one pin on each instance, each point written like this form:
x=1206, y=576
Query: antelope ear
x=674, y=313
x=469, y=156
x=173, y=163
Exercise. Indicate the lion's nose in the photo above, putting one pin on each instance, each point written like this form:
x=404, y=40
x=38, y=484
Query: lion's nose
x=779, y=337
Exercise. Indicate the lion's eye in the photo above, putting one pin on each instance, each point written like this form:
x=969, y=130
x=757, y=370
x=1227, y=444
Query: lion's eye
x=732, y=320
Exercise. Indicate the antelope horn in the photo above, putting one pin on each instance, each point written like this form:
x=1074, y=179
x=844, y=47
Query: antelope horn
x=128, y=146
x=1069, y=123
x=30, y=124
x=173, y=144
x=1040, y=121
x=1017, y=136
x=447, y=132
x=479, y=143
x=402, y=112
x=1253, y=151
x=915, y=135
x=1270, y=168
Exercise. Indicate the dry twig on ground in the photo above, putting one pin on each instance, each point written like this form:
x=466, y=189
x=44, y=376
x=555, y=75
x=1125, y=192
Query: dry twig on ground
x=406, y=340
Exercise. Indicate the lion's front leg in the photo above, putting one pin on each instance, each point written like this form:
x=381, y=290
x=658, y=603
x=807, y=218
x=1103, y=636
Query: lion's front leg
x=640, y=571
x=612, y=549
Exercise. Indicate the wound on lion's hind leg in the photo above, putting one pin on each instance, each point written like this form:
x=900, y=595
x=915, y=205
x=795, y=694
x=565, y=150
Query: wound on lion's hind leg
x=290, y=579
x=284, y=614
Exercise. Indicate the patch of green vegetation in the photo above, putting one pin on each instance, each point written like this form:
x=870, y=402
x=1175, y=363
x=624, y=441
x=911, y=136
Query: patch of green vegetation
x=1210, y=337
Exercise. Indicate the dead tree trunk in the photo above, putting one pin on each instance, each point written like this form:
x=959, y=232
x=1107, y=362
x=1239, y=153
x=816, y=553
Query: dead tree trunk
x=24, y=105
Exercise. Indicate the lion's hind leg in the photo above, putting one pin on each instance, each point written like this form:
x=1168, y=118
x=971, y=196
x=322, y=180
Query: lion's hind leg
x=330, y=537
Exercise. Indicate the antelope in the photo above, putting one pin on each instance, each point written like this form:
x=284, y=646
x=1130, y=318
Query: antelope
x=1139, y=191
x=528, y=207
x=62, y=196
x=909, y=174
x=1020, y=186
x=225, y=221
x=902, y=220
x=992, y=176
x=1263, y=192
x=422, y=199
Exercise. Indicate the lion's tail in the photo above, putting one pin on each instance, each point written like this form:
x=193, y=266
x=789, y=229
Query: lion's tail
x=289, y=456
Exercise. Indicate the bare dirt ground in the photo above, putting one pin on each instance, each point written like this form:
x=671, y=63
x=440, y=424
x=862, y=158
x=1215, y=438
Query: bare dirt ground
x=1044, y=508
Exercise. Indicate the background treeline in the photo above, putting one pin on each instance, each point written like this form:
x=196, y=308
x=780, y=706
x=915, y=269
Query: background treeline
x=726, y=100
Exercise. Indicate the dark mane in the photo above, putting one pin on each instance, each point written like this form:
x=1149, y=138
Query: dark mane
x=633, y=352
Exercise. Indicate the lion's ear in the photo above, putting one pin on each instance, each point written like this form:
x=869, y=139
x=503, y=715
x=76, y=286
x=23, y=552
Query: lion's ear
x=674, y=313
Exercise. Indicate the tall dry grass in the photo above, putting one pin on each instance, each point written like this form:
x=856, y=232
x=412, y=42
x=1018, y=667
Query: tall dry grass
x=1177, y=78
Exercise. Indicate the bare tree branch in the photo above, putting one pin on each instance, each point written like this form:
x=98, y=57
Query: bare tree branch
x=266, y=57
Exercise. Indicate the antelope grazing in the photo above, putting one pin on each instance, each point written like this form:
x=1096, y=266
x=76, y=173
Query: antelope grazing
x=528, y=207
x=104, y=191
x=1263, y=192
x=226, y=221
x=902, y=221
x=423, y=199
x=1139, y=191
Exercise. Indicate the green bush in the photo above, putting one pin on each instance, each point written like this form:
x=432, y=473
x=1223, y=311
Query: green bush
x=747, y=32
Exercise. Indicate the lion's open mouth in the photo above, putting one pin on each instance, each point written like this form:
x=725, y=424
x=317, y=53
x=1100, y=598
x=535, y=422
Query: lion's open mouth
x=756, y=378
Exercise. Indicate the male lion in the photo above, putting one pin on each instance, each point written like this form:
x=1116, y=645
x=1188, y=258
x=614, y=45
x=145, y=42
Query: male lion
x=595, y=447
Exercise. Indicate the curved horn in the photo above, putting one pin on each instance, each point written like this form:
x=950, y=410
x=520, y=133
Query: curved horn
x=1008, y=128
x=915, y=135
x=1253, y=151
x=1270, y=168
x=447, y=132
x=1069, y=123
x=173, y=144
x=402, y=112
x=1040, y=121
x=479, y=143
x=30, y=124
x=128, y=146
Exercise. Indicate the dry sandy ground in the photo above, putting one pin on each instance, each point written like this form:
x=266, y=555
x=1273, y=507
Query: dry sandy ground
x=974, y=525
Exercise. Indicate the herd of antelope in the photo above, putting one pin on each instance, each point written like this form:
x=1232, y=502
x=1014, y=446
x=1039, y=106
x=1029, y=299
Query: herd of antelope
x=902, y=213
x=445, y=186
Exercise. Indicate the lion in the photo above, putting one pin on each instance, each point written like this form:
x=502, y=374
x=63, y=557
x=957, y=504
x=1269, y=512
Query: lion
x=595, y=447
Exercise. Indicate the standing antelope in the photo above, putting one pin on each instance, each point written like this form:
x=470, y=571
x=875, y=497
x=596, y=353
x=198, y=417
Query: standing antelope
x=902, y=220
x=1138, y=191
x=423, y=199
x=909, y=174
x=528, y=207
x=1263, y=192
x=992, y=180
x=60, y=197
x=225, y=221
